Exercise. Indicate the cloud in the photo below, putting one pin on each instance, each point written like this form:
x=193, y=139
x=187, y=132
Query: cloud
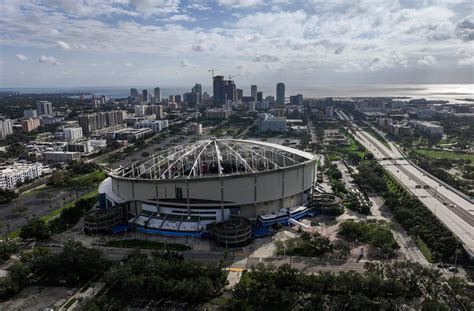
x=128, y=65
x=349, y=67
x=200, y=47
x=198, y=6
x=158, y=7
x=465, y=57
x=181, y=17
x=465, y=29
x=63, y=45
x=265, y=58
x=185, y=63
x=240, y=3
x=427, y=60
x=48, y=60
x=21, y=57
x=339, y=50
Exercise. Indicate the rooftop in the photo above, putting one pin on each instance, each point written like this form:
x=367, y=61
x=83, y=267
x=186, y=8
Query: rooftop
x=215, y=157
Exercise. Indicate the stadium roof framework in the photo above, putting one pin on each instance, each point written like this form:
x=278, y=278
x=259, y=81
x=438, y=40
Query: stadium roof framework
x=215, y=157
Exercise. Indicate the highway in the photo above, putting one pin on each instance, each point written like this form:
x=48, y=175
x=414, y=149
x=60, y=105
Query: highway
x=453, y=210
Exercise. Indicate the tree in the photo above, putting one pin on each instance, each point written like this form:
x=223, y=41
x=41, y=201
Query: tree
x=36, y=229
x=7, y=195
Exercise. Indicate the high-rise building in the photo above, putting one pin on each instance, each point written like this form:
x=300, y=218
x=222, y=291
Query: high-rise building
x=177, y=98
x=99, y=120
x=30, y=124
x=230, y=90
x=157, y=110
x=197, y=88
x=218, y=88
x=296, y=100
x=72, y=133
x=44, y=108
x=6, y=127
x=253, y=91
x=30, y=113
x=259, y=97
x=192, y=99
x=280, y=93
x=134, y=96
x=145, y=95
x=172, y=99
x=134, y=92
x=157, y=94
x=239, y=93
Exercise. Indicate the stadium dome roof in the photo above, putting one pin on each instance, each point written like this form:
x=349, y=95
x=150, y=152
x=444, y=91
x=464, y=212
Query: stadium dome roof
x=215, y=158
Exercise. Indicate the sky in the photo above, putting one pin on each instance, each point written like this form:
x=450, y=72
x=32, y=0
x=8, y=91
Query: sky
x=68, y=43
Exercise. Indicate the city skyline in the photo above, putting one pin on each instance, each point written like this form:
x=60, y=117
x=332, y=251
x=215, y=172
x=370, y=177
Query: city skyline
x=86, y=43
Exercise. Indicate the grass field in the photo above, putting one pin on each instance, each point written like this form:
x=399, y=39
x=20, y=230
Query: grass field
x=56, y=212
x=448, y=155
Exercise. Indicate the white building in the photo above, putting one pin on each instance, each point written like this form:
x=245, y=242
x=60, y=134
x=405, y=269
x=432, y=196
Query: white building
x=252, y=107
x=72, y=133
x=156, y=125
x=16, y=173
x=195, y=128
x=267, y=122
x=6, y=128
x=140, y=110
x=426, y=127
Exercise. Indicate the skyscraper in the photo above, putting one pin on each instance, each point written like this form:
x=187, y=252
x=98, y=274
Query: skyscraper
x=157, y=94
x=230, y=90
x=134, y=93
x=218, y=90
x=44, y=108
x=239, y=93
x=280, y=93
x=253, y=91
x=197, y=88
x=296, y=100
x=259, y=97
x=145, y=95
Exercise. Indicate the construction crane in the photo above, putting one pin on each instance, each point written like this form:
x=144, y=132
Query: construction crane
x=230, y=77
x=212, y=71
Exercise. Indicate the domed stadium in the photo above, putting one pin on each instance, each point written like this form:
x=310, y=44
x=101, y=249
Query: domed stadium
x=183, y=190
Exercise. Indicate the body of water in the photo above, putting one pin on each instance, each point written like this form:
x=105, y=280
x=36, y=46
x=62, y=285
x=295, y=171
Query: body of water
x=453, y=93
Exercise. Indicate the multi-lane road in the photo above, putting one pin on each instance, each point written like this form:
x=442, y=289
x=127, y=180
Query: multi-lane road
x=454, y=211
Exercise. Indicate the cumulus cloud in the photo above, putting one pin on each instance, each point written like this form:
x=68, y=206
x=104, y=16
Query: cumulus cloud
x=48, y=60
x=427, y=60
x=265, y=58
x=465, y=29
x=21, y=57
x=62, y=45
x=465, y=57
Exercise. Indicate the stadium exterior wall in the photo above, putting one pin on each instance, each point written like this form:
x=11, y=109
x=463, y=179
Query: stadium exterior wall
x=252, y=193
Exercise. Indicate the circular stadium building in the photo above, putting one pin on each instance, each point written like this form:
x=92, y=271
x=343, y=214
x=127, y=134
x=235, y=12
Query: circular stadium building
x=183, y=190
